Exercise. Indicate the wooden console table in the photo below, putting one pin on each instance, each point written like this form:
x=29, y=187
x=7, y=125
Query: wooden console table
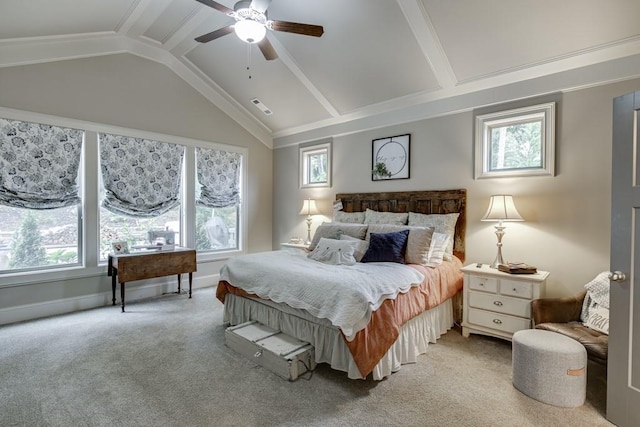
x=149, y=264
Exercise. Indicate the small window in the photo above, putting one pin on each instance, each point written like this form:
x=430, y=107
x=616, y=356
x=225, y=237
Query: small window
x=315, y=166
x=518, y=142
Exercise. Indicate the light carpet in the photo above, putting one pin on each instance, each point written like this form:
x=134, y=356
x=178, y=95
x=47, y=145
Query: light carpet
x=164, y=363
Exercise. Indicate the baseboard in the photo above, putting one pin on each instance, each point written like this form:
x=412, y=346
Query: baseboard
x=84, y=302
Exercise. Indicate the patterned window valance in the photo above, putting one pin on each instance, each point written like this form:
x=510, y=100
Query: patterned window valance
x=39, y=165
x=219, y=177
x=141, y=177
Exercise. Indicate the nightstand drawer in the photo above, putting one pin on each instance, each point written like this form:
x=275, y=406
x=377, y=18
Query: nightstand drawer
x=486, y=284
x=516, y=289
x=497, y=321
x=500, y=304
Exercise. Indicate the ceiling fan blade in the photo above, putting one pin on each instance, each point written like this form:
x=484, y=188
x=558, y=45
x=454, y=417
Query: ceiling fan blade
x=260, y=5
x=297, y=28
x=267, y=49
x=215, y=34
x=222, y=8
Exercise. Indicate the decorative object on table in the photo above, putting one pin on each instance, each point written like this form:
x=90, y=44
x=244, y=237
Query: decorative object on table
x=390, y=158
x=501, y=208
x=309, y=208
x=163, y=237
x=517, y=268
x=120, y=247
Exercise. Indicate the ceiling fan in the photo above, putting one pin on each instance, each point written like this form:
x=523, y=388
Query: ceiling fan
x=252, y=23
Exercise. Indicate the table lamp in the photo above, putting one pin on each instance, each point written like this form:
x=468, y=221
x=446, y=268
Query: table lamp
x=501, y=209
x=309, y=208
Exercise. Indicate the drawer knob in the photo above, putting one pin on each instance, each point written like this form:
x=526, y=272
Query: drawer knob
x=482, y=284
x=515, y=290
x=498, y=303
x=258, y=353
x=497, y=321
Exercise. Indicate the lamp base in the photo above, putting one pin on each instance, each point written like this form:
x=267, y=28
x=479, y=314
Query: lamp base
x=498, y=260
x=499, y=233
x=309, y=220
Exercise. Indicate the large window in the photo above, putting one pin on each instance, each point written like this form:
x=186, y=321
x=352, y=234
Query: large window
x=68, y=193
x=140, y=191
x=217, y=198
x=40, y=223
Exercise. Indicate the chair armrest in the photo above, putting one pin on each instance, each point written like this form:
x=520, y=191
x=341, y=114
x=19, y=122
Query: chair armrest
x=557, y=310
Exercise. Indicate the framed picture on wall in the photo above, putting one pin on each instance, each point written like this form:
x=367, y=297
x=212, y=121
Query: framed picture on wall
x=390, y=157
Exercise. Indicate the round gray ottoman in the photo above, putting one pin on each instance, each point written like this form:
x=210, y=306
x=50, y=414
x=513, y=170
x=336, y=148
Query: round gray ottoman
x=549, y=367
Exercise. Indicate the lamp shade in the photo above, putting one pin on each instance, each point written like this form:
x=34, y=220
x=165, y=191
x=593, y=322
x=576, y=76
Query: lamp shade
x=309, y=208
x=501, y=208
x=250, y=31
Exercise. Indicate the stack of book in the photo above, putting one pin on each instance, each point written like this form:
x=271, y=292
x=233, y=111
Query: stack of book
x=517, y=268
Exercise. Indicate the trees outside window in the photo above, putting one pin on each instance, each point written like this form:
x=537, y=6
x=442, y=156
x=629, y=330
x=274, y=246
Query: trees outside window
x=34, y=239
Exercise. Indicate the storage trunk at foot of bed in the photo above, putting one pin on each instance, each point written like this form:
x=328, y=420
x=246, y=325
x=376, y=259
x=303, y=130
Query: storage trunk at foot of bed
x=281, y=354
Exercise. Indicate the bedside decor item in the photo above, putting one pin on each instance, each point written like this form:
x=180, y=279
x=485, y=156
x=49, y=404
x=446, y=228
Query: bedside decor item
x=390, y=158
x=517, y=268
x=501, y=208
x=309, y=208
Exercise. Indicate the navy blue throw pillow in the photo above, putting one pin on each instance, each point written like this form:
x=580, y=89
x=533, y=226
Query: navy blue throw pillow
x=387, y=247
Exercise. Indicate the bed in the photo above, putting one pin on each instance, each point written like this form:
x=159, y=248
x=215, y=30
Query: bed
x=398, y=329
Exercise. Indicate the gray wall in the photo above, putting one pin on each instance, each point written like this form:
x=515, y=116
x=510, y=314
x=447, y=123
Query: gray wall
x=127, y=91
x=567, y=217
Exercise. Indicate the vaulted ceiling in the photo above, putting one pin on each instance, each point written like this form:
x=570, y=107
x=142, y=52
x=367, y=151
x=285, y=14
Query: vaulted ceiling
x=379, y=62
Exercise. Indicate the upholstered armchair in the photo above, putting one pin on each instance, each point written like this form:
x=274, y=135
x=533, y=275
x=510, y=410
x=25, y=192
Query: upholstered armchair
x=562, y=315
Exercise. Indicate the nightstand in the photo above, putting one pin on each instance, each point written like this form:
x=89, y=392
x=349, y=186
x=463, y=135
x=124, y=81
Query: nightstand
x=300, y=246
x=496, y=303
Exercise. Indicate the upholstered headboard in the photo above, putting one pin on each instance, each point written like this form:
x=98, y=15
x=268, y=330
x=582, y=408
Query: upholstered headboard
x=426, y=202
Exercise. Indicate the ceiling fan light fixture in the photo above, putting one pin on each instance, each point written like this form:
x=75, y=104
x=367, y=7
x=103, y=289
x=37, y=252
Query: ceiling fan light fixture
x=250, y=31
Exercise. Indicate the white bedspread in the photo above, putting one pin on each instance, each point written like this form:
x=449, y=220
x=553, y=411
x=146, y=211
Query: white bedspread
x=346, y=295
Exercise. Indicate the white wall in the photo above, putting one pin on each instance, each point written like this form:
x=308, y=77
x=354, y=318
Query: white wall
x=567, y=217
x=127, y=91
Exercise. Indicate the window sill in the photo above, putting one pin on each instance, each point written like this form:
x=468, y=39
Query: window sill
x=10, y=280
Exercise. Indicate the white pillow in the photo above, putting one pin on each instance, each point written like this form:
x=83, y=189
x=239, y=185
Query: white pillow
x=598, y=319
x=348, y=217
x=375, y=217
x=439, y=243
x=441, y=223
x=333, y=230
x=361, y=246
x=336, y=252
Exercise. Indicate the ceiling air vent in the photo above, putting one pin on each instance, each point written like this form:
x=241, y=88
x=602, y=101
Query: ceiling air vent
x=261, y=106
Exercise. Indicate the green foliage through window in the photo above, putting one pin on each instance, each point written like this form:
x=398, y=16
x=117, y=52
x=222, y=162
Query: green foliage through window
x=516, y=146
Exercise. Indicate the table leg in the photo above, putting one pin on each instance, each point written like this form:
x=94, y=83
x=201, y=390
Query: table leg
x=122, y=294
x=113, y=289
x=179, y=281
x=190, y=280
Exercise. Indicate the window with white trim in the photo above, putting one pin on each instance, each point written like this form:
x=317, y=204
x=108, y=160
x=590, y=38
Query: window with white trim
x=40, y=213
x=43, y=196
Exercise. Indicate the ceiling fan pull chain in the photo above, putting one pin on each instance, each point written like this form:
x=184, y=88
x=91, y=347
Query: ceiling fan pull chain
x=249, y=60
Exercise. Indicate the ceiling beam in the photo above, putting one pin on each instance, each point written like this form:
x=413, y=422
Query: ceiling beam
x=289, y=62
x=427, y=38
